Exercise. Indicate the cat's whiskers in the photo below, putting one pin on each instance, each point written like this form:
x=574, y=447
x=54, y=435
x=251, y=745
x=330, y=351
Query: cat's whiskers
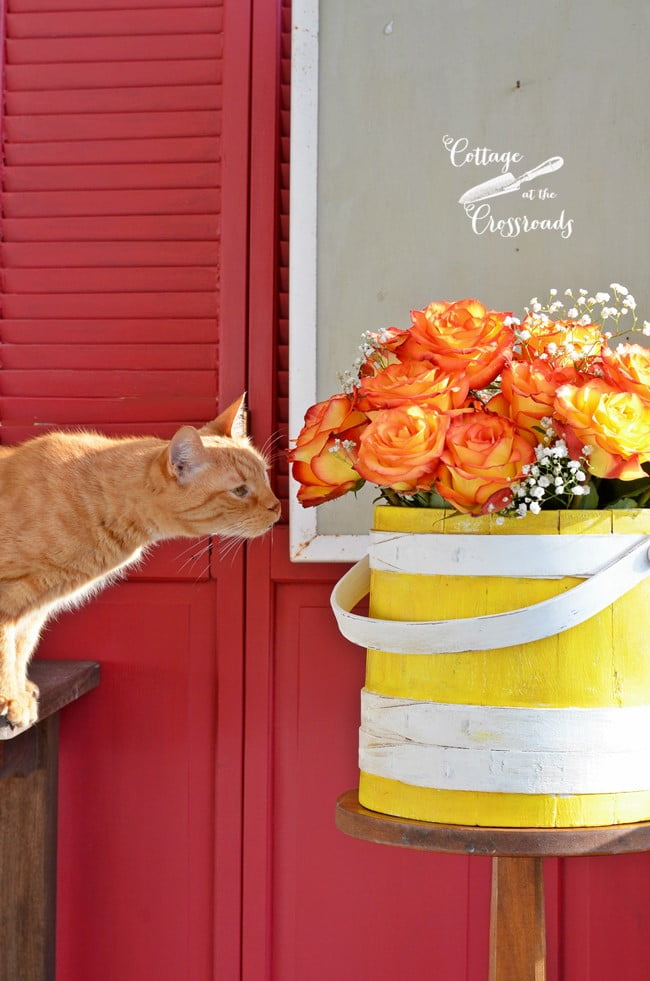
x=229, y=547
x=270, y=443
x=204, y=547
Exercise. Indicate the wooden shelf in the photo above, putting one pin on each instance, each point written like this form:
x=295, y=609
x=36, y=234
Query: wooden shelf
x=60, y=683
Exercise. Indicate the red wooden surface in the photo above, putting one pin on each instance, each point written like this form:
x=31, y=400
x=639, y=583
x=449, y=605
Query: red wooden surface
x=111, y=257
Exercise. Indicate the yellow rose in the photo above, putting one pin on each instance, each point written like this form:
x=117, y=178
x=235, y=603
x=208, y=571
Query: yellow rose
x=401, y=446
x=614, y=424
x=484, y=453
x=325, y=451
x=628, y=368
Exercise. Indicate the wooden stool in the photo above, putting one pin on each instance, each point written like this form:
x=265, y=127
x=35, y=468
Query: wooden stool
x=517, y=932
x=28, y=809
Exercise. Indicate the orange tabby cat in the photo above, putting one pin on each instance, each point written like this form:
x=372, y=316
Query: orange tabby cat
x=77, y=508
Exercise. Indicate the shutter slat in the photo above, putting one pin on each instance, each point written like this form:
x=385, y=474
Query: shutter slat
x=109, y=305
x=153, y=331
x=181, y=149
x=112, y=126
x=105, y=384
x=161, y=98
x=113, y=49
x=95, y=357
x=112, y=228
x=46, y=204
x=34, y=6
x=71, y=411
x=85, y=23
x=101, y=74
x=34, y=255
x=154, y=279
x=109, y=177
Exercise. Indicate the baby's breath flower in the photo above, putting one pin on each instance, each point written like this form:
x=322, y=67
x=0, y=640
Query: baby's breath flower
x=553, y=479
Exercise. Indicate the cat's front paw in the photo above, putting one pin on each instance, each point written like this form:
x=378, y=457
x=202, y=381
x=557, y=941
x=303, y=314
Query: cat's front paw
x=20, y=709
x=32, y=689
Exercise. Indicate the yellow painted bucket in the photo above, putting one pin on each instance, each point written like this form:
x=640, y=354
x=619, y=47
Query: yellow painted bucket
x=508, y=670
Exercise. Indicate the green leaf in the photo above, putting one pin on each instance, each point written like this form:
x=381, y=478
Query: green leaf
x=623, y=502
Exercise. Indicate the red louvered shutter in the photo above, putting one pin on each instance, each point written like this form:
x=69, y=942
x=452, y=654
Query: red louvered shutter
x=110, y=204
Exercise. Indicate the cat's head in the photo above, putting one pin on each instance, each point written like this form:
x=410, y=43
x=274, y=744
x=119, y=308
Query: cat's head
x=220, y=480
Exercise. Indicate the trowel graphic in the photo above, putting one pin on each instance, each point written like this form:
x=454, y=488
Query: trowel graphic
x=505, y=183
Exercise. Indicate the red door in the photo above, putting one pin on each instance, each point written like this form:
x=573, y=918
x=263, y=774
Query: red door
x=123, y=252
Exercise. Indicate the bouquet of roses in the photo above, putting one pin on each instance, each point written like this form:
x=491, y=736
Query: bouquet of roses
x=479, y=411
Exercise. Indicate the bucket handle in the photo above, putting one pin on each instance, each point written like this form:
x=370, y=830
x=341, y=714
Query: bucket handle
x=552, y=616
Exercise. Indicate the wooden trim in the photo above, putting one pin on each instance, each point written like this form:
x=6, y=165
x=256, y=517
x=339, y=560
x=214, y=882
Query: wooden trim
x=235, y=200
x=232, y=355
x=257, y=954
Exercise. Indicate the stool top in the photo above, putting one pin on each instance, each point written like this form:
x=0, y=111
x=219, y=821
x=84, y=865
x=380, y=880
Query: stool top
x=60, y=682
x=355, y=820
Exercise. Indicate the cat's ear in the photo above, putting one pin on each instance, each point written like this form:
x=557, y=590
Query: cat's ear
x=186, y=454
x=231, y=422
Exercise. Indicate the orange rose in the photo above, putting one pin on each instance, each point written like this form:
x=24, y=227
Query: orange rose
x=566, y=341
x=460, y=337
x=400, y=448
x=416, y=382
x=484, y=453
x=628, y=368
x=528, y=390
x=324, y=455
x=613, y=423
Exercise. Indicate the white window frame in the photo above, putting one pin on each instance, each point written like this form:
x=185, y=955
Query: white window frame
x=306, y=543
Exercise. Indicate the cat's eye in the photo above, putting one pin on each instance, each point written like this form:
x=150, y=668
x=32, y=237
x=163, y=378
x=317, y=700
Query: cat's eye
x=240, y=491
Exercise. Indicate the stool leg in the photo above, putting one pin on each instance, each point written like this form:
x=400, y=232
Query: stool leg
x=517, y=932
x=28, y=792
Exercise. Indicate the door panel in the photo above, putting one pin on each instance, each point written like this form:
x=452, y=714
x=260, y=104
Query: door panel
x=137, y=785
x=342, y=907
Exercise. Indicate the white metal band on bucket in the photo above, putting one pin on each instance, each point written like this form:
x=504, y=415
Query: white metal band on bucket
x=505, y=750
x=521, y=556
x=614, y=577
